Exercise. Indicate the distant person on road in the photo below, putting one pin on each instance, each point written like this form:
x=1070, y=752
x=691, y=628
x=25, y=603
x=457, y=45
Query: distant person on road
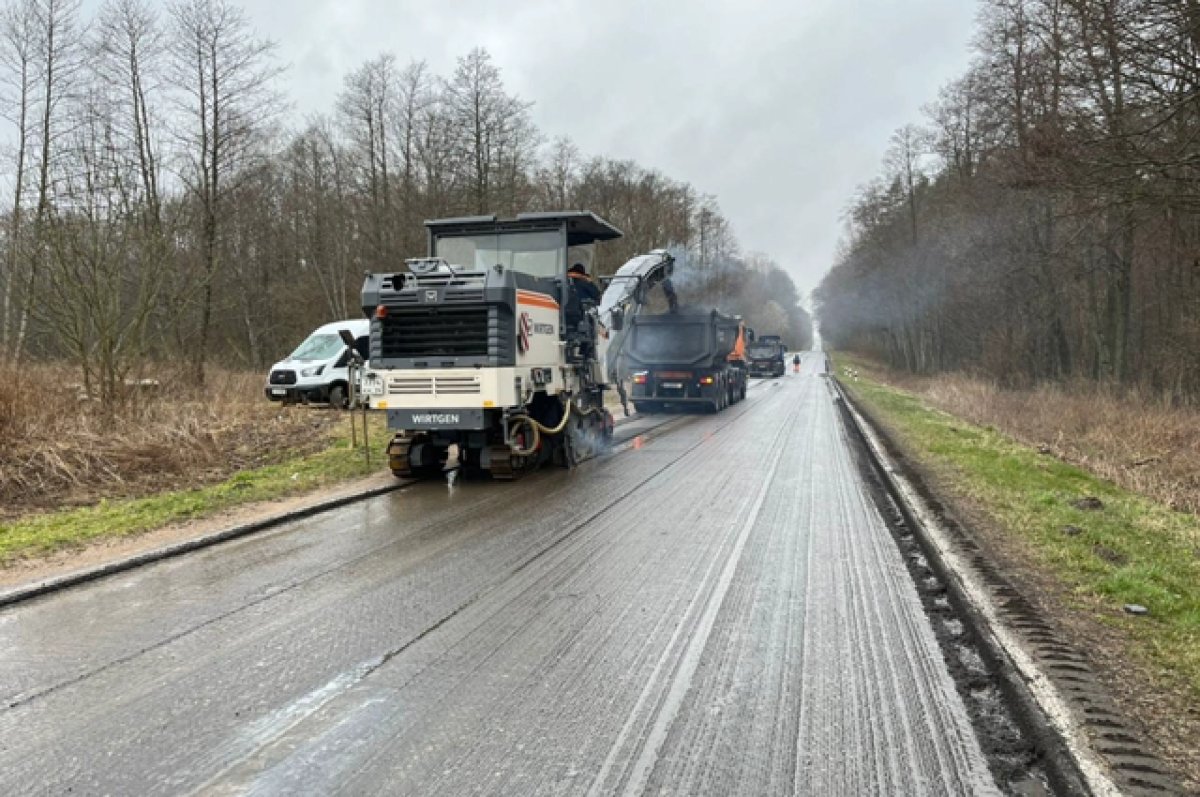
x=796, y=363
x=583, y=285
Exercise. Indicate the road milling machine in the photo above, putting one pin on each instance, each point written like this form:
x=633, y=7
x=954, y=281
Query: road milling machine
x=485, y=348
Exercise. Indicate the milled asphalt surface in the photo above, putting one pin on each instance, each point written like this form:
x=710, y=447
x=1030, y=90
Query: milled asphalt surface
x=718, y=609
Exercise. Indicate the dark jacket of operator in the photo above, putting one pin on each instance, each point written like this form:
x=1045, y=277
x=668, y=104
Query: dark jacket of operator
x=582, y=284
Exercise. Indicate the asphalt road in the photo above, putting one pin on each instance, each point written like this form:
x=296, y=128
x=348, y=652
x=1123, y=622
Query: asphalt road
x=716, y=609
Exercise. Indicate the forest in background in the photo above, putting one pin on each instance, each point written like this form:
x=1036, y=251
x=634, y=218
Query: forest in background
x=161, y=203
x=1043, y=222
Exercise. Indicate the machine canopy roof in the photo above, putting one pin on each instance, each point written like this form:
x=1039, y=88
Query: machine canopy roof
x=583, y=227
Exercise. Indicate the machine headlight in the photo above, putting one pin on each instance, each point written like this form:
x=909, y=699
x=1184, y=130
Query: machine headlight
x=312, y=371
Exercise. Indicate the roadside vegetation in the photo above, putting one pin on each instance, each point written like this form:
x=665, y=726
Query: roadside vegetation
x=73, y=470
x=1021, y=464
x=1139, y=441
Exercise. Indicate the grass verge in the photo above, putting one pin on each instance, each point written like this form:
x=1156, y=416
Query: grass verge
x=48, y=532
x=1131, y=551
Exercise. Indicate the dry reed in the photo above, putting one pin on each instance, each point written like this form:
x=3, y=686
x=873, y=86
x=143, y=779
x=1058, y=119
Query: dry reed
x=1133, y=439
x=58, y=448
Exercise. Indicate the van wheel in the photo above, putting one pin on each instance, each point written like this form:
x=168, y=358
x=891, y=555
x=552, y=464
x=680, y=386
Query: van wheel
x=337, y=397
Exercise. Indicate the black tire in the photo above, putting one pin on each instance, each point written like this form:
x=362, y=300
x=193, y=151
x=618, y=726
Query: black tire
x=337, y=396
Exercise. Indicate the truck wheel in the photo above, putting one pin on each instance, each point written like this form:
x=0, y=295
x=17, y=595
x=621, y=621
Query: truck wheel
x=337, y=397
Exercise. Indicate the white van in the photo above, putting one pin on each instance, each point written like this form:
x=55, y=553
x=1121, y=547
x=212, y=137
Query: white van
x=318, y=370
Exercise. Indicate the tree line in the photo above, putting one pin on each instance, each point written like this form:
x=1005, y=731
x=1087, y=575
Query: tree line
x=1043, y=222
x=162, y=204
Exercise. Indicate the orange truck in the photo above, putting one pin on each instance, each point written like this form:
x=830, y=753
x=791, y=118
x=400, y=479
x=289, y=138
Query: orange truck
x=689, y=358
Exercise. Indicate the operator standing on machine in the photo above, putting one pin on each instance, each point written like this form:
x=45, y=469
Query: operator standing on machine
x=583, y=285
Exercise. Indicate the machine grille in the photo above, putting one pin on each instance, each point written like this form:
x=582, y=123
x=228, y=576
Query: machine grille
x=435, y=332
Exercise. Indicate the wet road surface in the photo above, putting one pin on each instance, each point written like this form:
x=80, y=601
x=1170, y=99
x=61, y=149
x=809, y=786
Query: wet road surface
x=716, y=609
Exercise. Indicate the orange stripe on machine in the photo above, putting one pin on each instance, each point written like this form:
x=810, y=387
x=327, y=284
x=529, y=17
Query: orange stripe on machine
x=536, y=299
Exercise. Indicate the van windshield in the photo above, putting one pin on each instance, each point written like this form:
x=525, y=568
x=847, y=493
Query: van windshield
x=319, y=347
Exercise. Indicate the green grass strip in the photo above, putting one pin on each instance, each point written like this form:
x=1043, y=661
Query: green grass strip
x=1133, y=551
x=53, y=531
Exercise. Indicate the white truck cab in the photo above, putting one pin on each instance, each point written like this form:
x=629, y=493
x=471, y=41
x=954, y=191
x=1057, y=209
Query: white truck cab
x=318, y=370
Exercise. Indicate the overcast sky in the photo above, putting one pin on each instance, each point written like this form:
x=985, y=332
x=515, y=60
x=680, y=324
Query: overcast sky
x=778, y=108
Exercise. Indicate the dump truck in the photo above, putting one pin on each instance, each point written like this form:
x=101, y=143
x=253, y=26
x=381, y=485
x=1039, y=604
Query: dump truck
x=688, y=358
x=766, y=356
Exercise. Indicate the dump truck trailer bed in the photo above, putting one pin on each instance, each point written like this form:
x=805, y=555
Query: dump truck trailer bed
x=687, y=358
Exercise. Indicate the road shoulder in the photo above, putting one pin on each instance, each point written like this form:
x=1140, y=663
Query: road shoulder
x=1118, y=696
x=107, y=551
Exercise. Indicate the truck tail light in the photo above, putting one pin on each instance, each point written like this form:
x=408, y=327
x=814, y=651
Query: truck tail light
x=381, y=311
x=706, y=380
x=639, y=379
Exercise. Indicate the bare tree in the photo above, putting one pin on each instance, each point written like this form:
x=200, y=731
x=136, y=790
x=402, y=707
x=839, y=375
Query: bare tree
x=416, y=95
x=492, y=127
x=904, y=165
x=56, y=49
x=101, y=289
x=436, y=151
x=319, y=192
x=18, y=59
x=131, y=53
x=560, y=175
x=225, y=76
x=368, y=107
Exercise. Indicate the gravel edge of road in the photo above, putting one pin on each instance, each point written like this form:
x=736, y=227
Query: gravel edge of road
x=1056, y=694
